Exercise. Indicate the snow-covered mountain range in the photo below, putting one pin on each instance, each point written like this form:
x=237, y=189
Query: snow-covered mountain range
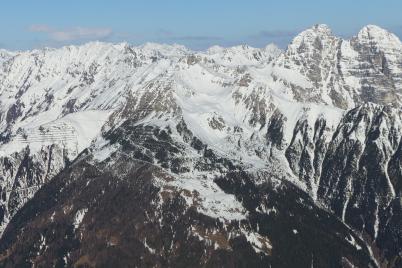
x=214, y=152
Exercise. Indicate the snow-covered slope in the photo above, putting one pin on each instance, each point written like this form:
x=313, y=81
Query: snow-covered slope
x=323, y=115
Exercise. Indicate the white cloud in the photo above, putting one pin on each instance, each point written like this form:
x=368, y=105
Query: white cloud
x=72, y=34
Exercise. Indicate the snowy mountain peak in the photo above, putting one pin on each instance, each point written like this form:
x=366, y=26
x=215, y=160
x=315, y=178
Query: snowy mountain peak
x=317, y=30
x=273, y=49
x=3, y=52
x=242, y=54
x=215, y=49
x=165, y=49
x=377, y=34
x=5, y=55
x=384, y=40
x=314, y=38
x=322, y=28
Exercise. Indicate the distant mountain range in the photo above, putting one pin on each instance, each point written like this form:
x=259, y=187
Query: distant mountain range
x=115, y=155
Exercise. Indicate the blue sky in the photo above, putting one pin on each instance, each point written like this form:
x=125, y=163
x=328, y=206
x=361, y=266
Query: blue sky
x=196, y=24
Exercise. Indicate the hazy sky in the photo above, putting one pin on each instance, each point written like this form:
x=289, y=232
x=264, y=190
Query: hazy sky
x=196, y=24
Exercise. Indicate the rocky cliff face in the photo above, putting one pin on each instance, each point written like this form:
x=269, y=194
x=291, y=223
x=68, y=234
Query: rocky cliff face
x=224, y=157
x=23, y=173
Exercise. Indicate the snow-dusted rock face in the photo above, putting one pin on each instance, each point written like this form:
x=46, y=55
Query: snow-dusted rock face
x=230, y=147
x=345, y=73
x=61, y=98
